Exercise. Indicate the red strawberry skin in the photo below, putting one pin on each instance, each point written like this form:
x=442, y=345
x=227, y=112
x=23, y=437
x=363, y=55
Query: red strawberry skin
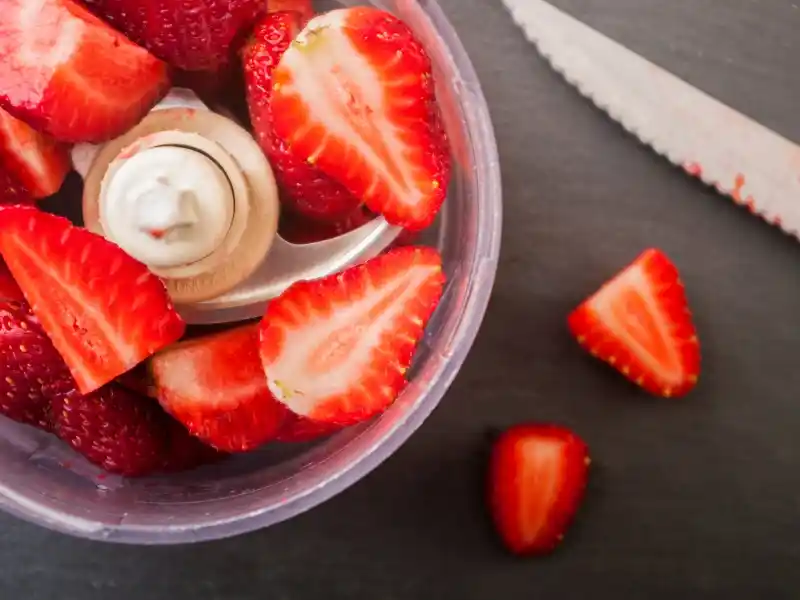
x=216, y=387
x=303, y=7
x=69, y=75
x=103, y=310
x=193, y=35
x=537, y=479
x=640, y=323
x=336, y=350
x=36, y=162
x=386, y=147
x=185, y=452
x=304, y=189
x=297, y=429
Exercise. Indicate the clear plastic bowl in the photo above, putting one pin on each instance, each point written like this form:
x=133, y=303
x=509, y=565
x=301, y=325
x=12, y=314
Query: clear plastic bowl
x=46, y=483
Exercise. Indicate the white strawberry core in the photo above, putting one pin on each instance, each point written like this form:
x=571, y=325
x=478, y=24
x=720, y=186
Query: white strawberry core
x=318, y=74
x=331, y=353
x=38, y=48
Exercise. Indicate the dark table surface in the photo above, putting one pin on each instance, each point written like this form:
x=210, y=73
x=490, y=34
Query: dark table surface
x=691, y=499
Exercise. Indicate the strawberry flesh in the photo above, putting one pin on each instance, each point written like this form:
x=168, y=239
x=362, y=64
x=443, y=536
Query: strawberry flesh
x=537, y=478
x=193, y=35
x=303, y=8
x=35, y=162
x=103, y=310
x=337, y=349
x=354, y=96
x=69, y=75
x=216, y=387
x=297, y=429
x=305, y=190
x=640, y=323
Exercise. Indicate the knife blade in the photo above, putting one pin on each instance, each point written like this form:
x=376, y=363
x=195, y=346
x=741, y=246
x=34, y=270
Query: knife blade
x=744, y=160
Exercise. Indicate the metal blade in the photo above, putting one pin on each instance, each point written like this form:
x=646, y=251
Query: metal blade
x=744, y=160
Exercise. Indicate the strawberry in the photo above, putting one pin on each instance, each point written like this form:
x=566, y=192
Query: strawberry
x=297, y=429
x=354, y=96
x=537, y=478
x=103, y=310
x=216, y=387
x=639, y=322
x=302, y=7
x=184, y=451
x=37, y=163
x=336, y=350
x=305, y=190
x=71, y=76
x=9, y=290
x=33, y=373
x=193, y=35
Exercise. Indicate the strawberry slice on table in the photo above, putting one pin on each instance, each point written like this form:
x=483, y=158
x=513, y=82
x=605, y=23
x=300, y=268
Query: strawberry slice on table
x=354, y=96
x=640, y=323
x=35, y=161
x=32, y=372
x=305, y=190
x=537, y=478
x=193, y=35
x=67, y=74
x=337, y=349
x=216, y=387
x=103, y=310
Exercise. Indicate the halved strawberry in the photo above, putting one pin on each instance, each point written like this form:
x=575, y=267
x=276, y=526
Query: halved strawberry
x=354, y=96
x=9, y=290
x=69, y=75
x=103, y=310
x=216, y=387
x=640, y=323
x=37, y=162
x=302, y=7
x=337, y=349
x=537, y=478
x=298, y=429
x=304, y=189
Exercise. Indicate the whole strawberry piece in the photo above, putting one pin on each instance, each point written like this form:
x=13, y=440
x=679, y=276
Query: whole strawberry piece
x=103, y=310
x=193, y=35
x=69, y=75
x=216, y=387
x=305, y=189
x=639, y=323
x=336, y=350
x=33, y=164
x=537, y=478
x=32, y=372
x=354, y=96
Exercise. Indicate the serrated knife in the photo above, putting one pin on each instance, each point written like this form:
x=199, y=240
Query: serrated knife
x=741, y=158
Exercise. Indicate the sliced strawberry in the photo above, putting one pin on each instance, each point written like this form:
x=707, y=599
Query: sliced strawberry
x=184, y=451
x=337, y=349
x=193, y=35
x=216, y=387
x=639, y=322
x=297, y=429
x=12, y=191
x=103, y=310
x=537, y=479
x=9, y=290
x=354, y=96
x=305, y=190
x=301, y=7
x=38, y=163
x=69, y=75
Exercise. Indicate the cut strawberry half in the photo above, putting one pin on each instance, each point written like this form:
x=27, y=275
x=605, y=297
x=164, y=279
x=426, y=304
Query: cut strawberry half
x=103, y=310
x=640, y=323
x=297, y=430
x=305, y=190
x=216, y=387
x=354, y=96
x=69, y=75
x=337, y=349
x=9, y=290
x=37, y=162
x=537, y=478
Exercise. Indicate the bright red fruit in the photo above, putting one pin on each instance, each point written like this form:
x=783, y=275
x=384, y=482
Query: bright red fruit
x=337, y=349
x=103, y=310
x=69, y=75
x=640, y=323
x=537, y=479
x=297, y=429
x=193, y=35
x=31, y=161
x=305, y=190
x=216, y=387
x=303, y=7
x=184, y=451
x=354, y=96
